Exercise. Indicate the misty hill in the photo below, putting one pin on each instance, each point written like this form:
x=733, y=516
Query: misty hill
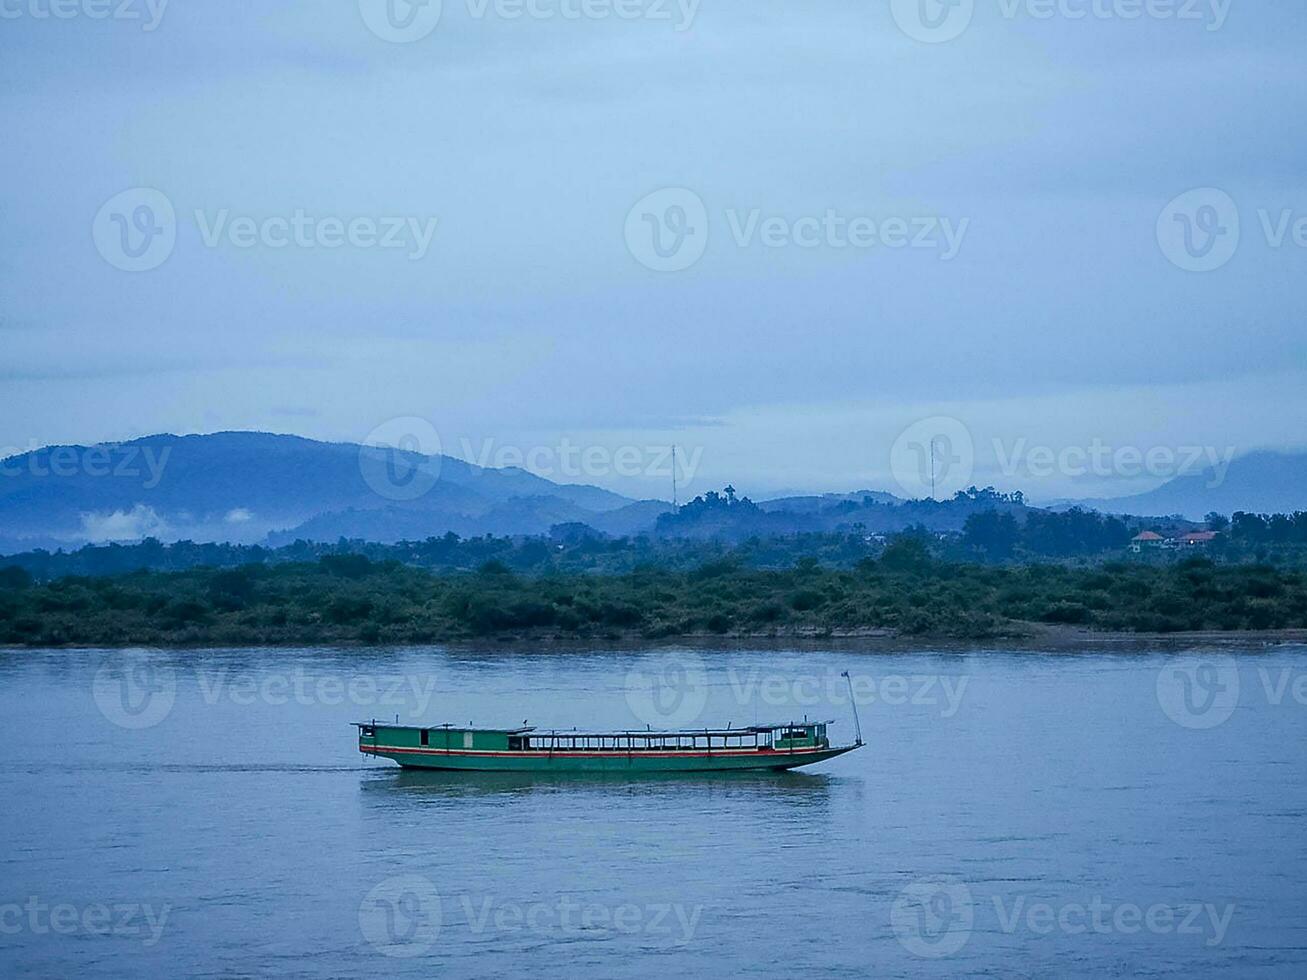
x=814, y=503
x=1260, y=482
x=243, y=486
x=727, y=517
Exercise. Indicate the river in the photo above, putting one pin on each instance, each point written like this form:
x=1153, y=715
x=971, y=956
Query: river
x=206, y=813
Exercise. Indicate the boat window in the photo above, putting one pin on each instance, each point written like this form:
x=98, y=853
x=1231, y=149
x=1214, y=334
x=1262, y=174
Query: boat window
x=424, y=736
x=515, y=743
x=367, y=731
x=467, y=740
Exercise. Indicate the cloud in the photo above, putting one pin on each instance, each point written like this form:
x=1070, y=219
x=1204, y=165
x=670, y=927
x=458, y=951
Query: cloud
x=119, y=525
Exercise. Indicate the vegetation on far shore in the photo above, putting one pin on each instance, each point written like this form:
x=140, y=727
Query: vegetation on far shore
x=907, y=589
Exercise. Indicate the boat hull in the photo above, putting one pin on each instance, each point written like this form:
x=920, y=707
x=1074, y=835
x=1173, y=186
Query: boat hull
x=632, y=762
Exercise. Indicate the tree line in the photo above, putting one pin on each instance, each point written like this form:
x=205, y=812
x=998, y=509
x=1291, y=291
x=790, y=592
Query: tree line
x=907, y=589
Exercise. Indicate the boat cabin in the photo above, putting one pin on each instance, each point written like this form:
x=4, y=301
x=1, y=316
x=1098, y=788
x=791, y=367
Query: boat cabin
x=443, y=738
x=806, y=736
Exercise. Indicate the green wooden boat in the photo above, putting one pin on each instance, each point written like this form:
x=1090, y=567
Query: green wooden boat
x=527, y=749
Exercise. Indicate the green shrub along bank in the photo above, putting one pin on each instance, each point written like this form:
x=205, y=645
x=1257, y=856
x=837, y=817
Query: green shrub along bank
x=351, y=598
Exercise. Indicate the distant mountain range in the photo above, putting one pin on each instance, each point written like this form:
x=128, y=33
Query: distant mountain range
x=251, y=487
x=254, y=487
x=1260, y=482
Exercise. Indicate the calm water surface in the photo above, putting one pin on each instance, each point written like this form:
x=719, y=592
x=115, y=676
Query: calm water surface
x=1016, y=814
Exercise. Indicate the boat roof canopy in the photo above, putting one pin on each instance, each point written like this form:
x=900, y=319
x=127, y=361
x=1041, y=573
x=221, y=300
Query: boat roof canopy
x=452, y=728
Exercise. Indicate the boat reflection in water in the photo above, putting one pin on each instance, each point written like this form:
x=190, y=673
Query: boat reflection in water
x=436, y=783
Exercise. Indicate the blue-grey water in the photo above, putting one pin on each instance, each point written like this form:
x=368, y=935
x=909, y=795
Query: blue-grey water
x=206, y=813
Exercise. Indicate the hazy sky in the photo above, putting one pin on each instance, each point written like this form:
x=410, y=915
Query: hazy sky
x=777, y=234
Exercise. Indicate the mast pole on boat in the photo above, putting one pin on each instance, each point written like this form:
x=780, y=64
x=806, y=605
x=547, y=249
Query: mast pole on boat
x=857, y=725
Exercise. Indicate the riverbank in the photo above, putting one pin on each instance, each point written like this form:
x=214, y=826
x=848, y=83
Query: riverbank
x=1022, y=637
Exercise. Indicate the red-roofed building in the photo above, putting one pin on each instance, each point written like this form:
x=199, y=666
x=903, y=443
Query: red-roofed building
x=1146, y=539
x=1197, y=539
